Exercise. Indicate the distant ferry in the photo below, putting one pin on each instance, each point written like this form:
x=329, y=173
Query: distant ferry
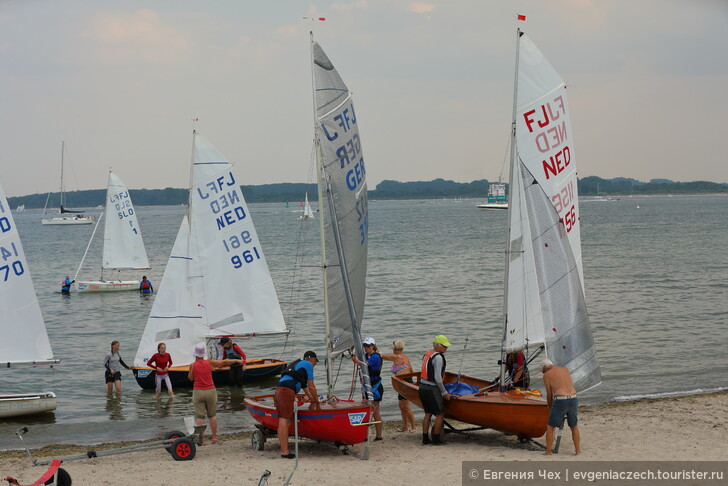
x=497, y=198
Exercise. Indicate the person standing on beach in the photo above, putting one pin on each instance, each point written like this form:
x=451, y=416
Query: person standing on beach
x=374, y=366
x=204, y=394
x=561, y=398
x=402, y=366
x=113, y=364
x=298, y=375
x=161, y=362
x=230, y=350
x=432, y=390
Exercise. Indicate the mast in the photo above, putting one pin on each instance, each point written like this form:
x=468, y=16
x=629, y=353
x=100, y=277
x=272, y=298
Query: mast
x=320, y=170
x=63, y=145
x=513, y=167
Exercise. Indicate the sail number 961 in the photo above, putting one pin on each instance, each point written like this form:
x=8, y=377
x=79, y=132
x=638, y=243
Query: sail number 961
x=234, y=242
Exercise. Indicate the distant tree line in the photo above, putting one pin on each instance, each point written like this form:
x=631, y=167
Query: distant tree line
x=435, y=189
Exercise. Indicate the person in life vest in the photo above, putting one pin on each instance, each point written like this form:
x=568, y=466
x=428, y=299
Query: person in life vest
x=374, y=365
x=66, y=285
x=297, y=375
x=145, y=286
x=230, y=350
x=432, y=390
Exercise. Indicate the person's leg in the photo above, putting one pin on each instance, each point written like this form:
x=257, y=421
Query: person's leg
x=109, y=387
x=549, y=440
x=283, y=425
x=157, y=385
x=410, y=416
x=213, y=427
x=378, y=420
x=169, y=385
x=403, y=411
x=576, y=437
x=118, y=386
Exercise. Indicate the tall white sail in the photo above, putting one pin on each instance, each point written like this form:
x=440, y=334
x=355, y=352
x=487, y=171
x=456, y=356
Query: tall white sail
x=123, y=243
x=217, y=280
x=545, y=301
x=23, y=335
x=342, y=181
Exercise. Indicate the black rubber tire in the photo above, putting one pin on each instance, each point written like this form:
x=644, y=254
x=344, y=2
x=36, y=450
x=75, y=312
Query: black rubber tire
x=64, y=479
x=183, y=449
x=257, y=440
x=175, y=434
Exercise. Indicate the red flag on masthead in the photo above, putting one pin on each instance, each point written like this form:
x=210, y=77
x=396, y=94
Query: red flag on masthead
x=521, y=17
x=322, y=19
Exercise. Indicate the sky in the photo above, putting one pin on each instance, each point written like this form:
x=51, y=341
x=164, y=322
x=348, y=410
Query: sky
x=121, y=82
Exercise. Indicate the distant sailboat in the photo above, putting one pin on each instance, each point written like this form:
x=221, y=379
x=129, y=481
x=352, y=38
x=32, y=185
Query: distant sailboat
x=20, y=208
x=23, y=337
x=123, y=243
x=216, y=283
x=307, y=211
x=65, y=216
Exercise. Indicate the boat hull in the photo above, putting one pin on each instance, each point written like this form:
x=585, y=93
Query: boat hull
x=493, y=206
x=107, y=286
x=65, y=220
x=524, y=413
x=340, y=422
x=255, y=369
x=22, y=404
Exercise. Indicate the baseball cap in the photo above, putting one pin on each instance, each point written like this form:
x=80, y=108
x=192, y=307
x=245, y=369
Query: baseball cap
x=440, y=339
x=224, y=340
x=370, y=340
x=310, y=354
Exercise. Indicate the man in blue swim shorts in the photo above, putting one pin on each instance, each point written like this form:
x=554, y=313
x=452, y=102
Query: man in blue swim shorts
x=561, y=398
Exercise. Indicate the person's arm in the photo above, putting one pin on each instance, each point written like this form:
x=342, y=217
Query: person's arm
x=549, y=390
x=240, y=352
x=311, y=391
x=437, y=369
x=121, y=361
x=152, y=360
x=391, y=357
x=191, y=373
x=219, y=363
x=107, y=358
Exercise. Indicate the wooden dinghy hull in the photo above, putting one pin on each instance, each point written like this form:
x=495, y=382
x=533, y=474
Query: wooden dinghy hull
x=523, y=413
x=21, y=404
x=340, y=422
x=255, y=369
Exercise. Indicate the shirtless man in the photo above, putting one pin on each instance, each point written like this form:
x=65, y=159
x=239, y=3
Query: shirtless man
x=561, y=397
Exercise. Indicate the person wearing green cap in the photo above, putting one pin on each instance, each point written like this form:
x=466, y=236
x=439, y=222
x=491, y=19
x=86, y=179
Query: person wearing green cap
x=432, y=390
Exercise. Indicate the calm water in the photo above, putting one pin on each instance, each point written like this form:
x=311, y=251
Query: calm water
x=656, y=279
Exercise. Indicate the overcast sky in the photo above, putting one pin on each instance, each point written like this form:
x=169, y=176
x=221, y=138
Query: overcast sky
x=120, y=82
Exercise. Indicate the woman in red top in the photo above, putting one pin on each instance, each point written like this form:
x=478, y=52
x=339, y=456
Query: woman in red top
x=204, y=394
x=162, y=362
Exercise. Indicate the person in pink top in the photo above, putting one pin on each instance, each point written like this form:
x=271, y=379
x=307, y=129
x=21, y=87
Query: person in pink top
x=204, y=394
x=161, y=362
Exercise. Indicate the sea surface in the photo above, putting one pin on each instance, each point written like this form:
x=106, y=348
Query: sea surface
x=656, y=276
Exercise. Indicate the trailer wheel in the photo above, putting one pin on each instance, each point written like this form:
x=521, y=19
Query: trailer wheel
x=183, y=449
x=64, y=479
x=175, y=434
x=258, y=440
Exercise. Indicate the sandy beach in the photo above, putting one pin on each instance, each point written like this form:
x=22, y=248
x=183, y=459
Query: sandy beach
x=668, y=429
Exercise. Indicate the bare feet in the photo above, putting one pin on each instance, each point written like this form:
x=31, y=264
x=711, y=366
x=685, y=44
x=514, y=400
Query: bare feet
x=547, y=453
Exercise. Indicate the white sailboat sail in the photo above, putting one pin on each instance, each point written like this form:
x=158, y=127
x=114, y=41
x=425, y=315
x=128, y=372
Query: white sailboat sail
x=217, y=281
x=545, y=301
x=123, y=243
x=23, y=336
x=342, y=181
x=307, y=211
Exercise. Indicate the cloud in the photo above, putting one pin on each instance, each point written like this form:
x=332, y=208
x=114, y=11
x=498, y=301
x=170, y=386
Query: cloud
x=359, y=4
x=421, y=7
x=139, y=36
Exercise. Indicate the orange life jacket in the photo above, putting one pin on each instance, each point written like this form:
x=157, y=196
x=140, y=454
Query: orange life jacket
x=427, y=368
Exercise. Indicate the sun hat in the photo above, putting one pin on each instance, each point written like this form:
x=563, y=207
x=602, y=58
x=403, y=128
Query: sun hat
x=440, y=339
x=370, y=341
x=199, y=351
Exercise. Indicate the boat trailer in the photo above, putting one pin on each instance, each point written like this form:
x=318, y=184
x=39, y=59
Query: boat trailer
x=181, y=446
